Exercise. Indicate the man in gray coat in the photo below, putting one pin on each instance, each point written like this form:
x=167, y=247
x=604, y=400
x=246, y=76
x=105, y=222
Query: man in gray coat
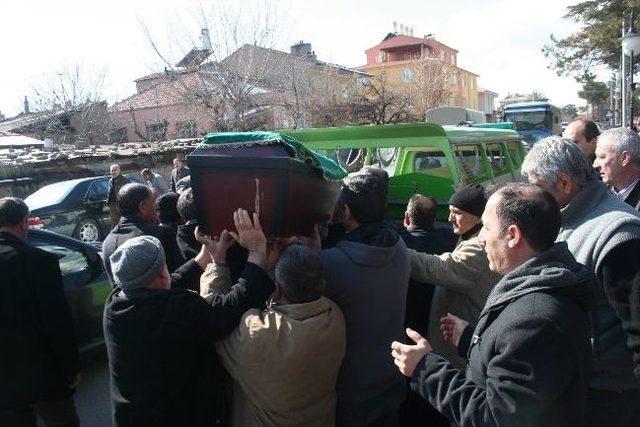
x=529, y=360
x=603, y=233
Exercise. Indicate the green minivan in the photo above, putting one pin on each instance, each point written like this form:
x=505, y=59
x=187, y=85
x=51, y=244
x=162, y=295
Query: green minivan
x=422, y=157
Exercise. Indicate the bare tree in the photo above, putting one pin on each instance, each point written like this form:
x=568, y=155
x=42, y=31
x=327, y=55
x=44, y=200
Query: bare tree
x=382, y=104
x=226, y=73
x=317, y=94
x=71, y=106
x=430, y=85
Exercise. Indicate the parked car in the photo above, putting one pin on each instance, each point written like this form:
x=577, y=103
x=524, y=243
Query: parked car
x=76, y=208
x=86, y=284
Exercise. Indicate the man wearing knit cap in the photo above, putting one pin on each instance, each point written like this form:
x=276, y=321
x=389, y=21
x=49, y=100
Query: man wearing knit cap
x=462, y=277
x=160, y=337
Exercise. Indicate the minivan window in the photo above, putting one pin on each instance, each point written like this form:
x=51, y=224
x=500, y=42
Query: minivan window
x=470, y=161
x=496, y=156
x=432, y=163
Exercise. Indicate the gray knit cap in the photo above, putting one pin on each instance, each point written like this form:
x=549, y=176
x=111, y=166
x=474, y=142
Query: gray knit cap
x=137, y=261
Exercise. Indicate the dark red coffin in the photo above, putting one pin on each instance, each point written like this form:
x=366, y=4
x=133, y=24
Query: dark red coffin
x=289, y=195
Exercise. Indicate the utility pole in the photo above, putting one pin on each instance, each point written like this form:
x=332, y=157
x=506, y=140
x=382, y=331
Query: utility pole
x=623, y=74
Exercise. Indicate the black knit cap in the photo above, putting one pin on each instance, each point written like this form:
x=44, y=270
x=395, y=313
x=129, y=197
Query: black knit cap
x=470, y=199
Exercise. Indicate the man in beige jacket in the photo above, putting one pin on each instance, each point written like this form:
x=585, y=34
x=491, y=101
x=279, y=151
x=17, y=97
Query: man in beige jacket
x=285, y=360
x=462, y=277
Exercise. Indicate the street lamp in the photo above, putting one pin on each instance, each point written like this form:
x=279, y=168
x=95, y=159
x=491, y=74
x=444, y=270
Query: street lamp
x=631, y=45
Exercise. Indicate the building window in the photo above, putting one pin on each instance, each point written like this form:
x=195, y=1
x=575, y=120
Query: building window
x=442, y=55
x=156, y=131
x=118, y=136
x=453, y=59
x=186, y=129
x=379, y=57
x=407, y=75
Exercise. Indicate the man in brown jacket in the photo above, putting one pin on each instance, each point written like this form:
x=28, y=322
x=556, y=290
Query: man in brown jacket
x=462, y=277
x=285, y=360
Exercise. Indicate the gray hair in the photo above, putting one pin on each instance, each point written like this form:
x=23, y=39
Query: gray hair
x=624, y=139
x=554, y=155
x=299, y=274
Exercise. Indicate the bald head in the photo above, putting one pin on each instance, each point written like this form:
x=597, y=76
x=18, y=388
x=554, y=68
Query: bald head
x=584, y=133
x=114, y=170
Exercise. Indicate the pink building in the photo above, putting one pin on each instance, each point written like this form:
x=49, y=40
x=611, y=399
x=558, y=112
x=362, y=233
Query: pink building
x=160, y=110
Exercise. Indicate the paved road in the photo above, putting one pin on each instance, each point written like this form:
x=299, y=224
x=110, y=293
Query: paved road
x=92, y=397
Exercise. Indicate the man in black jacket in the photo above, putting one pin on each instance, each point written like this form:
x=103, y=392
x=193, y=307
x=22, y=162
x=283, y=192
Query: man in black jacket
x=116, y=182
x=421, y=235
x=185, y=238
x=178, y=172
x=39, y=365
x=139, y=218
x=160, y=337
x=530, y=357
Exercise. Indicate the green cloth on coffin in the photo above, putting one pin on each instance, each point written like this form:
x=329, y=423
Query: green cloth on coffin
x=330, y=169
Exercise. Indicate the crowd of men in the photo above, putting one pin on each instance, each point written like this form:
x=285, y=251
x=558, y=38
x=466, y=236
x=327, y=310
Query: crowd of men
x=525, y=313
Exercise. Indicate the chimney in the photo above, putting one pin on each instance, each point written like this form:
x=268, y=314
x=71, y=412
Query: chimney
x=411, y=32
x=205, y=40
x=26, y=105
x=395, y=27
x=303, y=50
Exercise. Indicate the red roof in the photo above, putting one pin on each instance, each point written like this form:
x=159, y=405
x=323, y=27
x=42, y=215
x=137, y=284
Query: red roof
x=400, y=41
x=165, y=93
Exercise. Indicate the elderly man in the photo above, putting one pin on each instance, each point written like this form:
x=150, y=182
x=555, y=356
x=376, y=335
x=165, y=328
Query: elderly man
x=39, y=364
x=618, y=161
x=584, y=133
x=160, y=337
x=285, y=359
x=529, y=361
x=139, y=217
x=603, y=233
x=462, y=277
x=116, y=182
x=178, y=172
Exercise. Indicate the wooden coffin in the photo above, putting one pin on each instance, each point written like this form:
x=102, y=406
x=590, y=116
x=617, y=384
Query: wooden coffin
x=289, y=195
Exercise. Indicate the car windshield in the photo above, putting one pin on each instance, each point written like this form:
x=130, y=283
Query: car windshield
x=530, y=120
x=49, y=195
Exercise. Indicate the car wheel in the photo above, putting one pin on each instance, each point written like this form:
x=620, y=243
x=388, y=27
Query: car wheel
x=87, y=230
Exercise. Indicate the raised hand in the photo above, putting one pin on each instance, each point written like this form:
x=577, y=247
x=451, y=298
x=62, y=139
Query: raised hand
x=217, y=248
x=452, y=328
x=406, y=357
x=249, y=234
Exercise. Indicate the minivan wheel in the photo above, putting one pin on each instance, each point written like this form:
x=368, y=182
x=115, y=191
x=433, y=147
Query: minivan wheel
x=87, y=230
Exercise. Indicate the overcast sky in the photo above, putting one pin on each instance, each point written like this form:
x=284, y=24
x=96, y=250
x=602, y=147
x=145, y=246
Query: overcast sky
x=498, y=39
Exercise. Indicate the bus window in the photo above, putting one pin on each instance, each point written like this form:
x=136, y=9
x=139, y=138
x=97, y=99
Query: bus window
x=471, y=162
x=432, y=163
x=496, y=157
